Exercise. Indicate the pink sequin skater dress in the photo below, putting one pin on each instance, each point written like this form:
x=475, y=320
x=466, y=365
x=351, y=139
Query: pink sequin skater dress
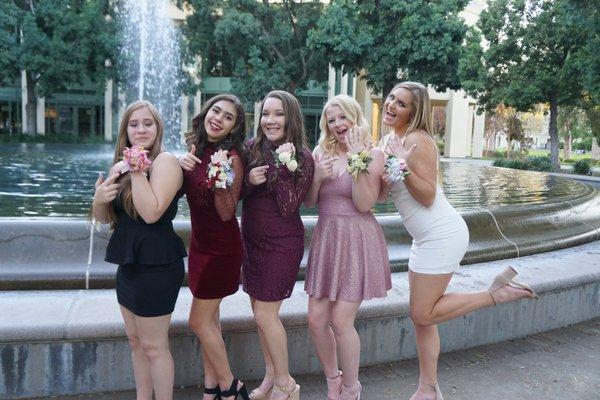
x=348, y=258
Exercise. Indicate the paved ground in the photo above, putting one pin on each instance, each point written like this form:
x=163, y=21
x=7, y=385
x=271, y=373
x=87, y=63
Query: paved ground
x=563, y=364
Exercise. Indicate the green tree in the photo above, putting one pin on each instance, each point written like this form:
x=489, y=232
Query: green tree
x=572, y=124
x=531, y=55
x=384, y=41
x=56, y=43
x=261, y=45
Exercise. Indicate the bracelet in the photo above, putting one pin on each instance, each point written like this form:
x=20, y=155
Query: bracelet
x=358, y=163
x=396, y=168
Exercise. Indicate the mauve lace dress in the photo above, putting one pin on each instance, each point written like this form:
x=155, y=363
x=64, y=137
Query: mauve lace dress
x=272, y=229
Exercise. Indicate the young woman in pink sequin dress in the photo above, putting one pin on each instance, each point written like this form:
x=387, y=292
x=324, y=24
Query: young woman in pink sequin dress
x=348, y=260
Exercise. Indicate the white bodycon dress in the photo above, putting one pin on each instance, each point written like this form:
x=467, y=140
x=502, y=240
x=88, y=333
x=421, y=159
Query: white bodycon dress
x=440, y=235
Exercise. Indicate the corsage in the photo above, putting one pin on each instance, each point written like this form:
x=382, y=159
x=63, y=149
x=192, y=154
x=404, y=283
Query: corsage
x=396, y=168
x=286, y=155
x=220, y=172
x=135, y=159
x=358, y=163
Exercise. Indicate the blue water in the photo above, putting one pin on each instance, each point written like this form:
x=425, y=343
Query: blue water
x=57, y=180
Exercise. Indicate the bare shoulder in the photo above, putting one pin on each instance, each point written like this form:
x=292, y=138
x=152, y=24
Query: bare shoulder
x=166, y=161
x=318, y=151
x=422, y=139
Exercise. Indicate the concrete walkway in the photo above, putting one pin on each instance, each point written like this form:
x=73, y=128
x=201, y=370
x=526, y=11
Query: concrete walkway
x=563, y=364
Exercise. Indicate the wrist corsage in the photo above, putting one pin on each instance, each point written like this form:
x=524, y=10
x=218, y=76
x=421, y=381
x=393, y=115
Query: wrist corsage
x=286, y=155
x=135, y=159
x=358, y=163
x=396, y=168
x=220, y=172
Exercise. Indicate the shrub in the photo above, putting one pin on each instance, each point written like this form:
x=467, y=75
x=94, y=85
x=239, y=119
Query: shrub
x=531, y=163
x=499, y=154
x=582, y=167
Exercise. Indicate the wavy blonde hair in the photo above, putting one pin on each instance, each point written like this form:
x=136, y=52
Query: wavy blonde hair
x=351, y=110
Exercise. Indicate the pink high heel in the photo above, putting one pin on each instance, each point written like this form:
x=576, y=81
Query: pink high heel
x=334, y=385
x=352, y=393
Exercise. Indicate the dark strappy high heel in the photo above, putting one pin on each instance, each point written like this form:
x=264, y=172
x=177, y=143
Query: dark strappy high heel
x=235, y=392
x=215, y=390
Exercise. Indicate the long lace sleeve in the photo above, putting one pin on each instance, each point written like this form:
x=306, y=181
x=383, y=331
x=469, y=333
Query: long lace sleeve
x=226, y=199
x=289, y=191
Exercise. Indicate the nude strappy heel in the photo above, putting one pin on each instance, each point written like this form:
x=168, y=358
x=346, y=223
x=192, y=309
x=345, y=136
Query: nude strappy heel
x=438, y=392
x=334, y=385
x=506, y=277
x=355, y=391
x=293, y=392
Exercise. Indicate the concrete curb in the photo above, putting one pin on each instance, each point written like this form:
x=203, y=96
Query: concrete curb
x=68, y=342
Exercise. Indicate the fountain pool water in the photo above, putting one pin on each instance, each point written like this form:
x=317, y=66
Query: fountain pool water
x=57, y=180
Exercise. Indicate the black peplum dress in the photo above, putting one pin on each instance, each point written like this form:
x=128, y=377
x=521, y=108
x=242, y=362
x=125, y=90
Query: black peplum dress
x=150, y=259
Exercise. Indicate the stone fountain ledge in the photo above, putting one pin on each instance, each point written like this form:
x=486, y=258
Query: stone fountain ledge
x=52, y=253
x=73, y=341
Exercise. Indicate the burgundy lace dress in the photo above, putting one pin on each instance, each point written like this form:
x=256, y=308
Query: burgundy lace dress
x=216, y=244
x=272, y=228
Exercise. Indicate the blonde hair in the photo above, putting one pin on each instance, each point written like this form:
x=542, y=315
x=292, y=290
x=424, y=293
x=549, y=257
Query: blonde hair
x=123, y=141
x=351, y=110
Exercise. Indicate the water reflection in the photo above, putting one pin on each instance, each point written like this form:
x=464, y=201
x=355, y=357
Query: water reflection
x=57, y=180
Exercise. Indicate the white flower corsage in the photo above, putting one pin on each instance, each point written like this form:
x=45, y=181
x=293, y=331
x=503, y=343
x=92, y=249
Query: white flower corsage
x=396, y=168
x=286, y=155
x=358, y=163
x=220, y=172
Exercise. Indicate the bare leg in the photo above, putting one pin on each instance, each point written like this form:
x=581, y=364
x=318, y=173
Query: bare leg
x=141, y=367
x=210, y=376
x=269, y=378
x=346, y=337
x=319, y=323
x=275, y=338
x=154, y=337
x=203, y=322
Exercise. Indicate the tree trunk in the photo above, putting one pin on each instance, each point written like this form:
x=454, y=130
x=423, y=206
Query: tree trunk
x=553, y=130
x=30, y=109
x=490, y=142
x=568, y=146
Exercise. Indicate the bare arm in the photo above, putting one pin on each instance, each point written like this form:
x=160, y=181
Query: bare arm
x=106, y=192
x=152, y=197
x=365, y=190
x=226, y=199
x=422, y=162
x=323, y=170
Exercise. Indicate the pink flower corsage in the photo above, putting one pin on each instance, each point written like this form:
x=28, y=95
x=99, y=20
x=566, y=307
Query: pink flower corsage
x=135, y=159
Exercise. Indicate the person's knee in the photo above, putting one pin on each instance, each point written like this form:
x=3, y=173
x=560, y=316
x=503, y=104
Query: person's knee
x=421, y=317
x=264, y=318
x=152, y=349
x=317, y=321
x=134, y=340
x=200, y=326
x=341, y=325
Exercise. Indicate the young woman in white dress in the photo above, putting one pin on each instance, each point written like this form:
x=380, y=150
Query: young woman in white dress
x=440, y=235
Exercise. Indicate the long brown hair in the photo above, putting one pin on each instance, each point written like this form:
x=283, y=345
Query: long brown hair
x=234, y=139
x=125, y=194
x=293, y=130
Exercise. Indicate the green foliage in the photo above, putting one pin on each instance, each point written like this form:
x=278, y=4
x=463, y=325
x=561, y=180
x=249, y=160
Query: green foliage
x=59, y=42
x=530, y=163
x=583, y=144
x=499, y=154
x=532, y=56
x=261, y=45
x=385, y=41
x=582, y=167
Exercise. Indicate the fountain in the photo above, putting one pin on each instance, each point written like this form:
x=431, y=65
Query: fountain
x=150, y=62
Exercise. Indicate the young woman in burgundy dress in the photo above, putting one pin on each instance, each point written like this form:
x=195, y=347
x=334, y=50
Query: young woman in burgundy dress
x=280, y=173
x=216, y=244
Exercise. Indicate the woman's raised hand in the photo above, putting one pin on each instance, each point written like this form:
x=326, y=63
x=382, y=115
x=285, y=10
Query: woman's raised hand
x=106, y=190
x=189, y=160
x=258, y=175
x=356, y=140
x=324, y=167
x=395, y=148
